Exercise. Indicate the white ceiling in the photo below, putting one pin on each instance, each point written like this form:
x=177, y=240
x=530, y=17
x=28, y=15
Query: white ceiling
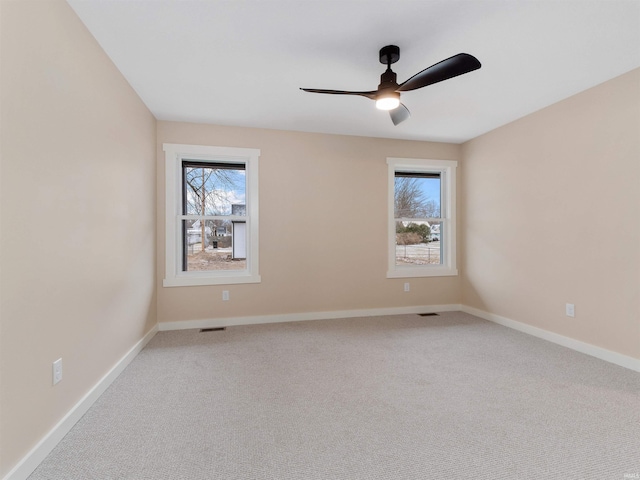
x=242, y=62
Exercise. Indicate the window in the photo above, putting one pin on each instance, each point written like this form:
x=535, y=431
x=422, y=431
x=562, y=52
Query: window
x=211, y=215
x=422, y=233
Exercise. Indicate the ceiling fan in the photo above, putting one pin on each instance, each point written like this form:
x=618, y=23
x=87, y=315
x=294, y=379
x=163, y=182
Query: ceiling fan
x=387, y=96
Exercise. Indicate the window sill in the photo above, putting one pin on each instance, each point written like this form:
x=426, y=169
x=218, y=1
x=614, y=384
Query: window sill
x=413, y=272
x=200, y=280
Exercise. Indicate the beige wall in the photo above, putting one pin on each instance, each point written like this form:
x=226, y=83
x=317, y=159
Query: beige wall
x=552, y=216
x=323, y=226
x=78, y=219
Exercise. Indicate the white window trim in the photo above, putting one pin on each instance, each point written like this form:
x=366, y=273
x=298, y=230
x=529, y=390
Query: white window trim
x=447, y=169
x=174, y=154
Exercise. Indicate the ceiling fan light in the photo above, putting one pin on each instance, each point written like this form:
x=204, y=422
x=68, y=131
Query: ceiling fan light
x=389, y=101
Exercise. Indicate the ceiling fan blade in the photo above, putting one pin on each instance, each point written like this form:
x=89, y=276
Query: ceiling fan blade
x=399, y=114
x=444, y=70
x=370, y=95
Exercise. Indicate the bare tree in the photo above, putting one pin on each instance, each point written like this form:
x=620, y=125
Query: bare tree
x=410, y=202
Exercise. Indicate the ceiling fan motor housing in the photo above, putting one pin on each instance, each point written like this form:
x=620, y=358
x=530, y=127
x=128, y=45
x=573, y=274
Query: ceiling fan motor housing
x=388, y=80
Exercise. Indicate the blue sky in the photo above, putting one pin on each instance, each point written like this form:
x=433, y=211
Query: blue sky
x=431, y=189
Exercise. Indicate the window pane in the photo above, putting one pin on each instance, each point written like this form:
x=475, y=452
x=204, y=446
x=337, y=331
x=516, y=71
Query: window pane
x=224, y=246
x=213, y=189
x=417, y=195
x=418, y=243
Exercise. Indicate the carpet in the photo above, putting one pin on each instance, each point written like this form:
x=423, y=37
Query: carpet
x=391, y=398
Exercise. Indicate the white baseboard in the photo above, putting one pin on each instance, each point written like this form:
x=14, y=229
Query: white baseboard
x=31, y=461
x=582, y=347
x=297, y=317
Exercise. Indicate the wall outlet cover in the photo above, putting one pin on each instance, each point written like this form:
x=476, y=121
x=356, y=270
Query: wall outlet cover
x=570, y=310
x=57, y=371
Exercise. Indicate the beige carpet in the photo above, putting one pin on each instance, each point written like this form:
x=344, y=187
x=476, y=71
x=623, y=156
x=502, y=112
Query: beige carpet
x=397, y=397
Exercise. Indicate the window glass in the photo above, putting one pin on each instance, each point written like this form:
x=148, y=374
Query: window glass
x=214, y=189
x=418, y=243
x=416, y=205
x=416, y=196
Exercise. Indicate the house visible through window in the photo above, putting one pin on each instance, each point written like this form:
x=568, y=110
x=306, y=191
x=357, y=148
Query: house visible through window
x=211, y=215
x=421, y=217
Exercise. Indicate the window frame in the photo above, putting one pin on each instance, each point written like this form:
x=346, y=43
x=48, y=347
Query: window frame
x=447, y=171
x=175, y=154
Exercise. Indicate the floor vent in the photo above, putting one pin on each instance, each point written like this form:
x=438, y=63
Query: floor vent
x=212, y=329
x=433, y=314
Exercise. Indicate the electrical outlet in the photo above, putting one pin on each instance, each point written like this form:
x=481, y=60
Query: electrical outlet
x=570, y=310
x=407, y=287
x=57, y=371
x=225, y=295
